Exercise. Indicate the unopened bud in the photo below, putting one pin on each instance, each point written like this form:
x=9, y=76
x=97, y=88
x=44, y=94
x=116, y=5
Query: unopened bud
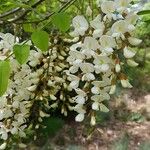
x=88, y=11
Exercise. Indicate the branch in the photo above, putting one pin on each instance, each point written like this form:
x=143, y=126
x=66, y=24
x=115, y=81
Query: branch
x=10, y=12
x=26, y=12
x=63, y=8
x=22, y=16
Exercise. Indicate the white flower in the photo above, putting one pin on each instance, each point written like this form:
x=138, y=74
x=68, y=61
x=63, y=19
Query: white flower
x=80, y=25
x=89, y=46
x=101, y=64
x=108, y=7
x=90, y=43
x=3, y=146
x=125, y=83
x=98, y=26
x=97, y=99
x=119, y=28
x=107, y=43
x=122, y=5
x=132, y=18
x=81, y=97
x=87, y=67
x=8, y=41
x=79, y=118
x=76, y=64
x=88, y=77
x=128, y=53
x=95, y=106
x=134, y=41
x=74, y=81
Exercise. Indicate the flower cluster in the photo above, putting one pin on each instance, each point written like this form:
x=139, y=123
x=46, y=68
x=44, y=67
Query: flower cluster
x=98, y=59
x=34, y=88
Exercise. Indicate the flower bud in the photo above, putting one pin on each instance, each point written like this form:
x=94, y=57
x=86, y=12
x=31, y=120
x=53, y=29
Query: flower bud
x=112, y=89
x=93, y=121
x=117, y=68
x=3, y=146
x=32, y=88
x=52, y=97
x=132, y=63
x=125, y=83
x=58, y=68
x=22, y=145
x=43, y=114
x=61, y=57
x=63, y=53
x=88, y=11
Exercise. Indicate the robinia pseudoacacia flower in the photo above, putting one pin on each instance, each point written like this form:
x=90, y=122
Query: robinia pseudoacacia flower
x=98, y=58
x=76, y=74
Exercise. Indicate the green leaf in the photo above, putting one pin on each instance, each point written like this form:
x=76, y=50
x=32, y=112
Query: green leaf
x=144, y=12
x=40, y=40
x=21, y=53
x=103, y=108
x=62, y=21
x=28, y=28
x=4, y=76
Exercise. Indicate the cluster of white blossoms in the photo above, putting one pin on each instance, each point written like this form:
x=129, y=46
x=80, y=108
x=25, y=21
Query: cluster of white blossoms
x=34, y=88
x=78, y=74
x=98, y=59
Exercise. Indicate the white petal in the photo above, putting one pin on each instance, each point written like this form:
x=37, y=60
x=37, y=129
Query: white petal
x=91, y=43
x=95, y=106
x=87, y=67
x=3, y=146
x=120, y=26
x=97, y=24
x=80, y=100
x=73, y=69
x=80, y=24
x=88, y=77
x=134, y=41
x=74, y=84
x=126, y=84
x=108, y=7
x=113, y=89
x=128, y=53
x=132, y=63
x=107, y=41
x=95, y=90
x=104, y=67
x=79, y=118
x=80, y=92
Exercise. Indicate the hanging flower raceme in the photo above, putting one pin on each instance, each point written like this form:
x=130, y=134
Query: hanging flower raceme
x=34, y=88
x=98, y=58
